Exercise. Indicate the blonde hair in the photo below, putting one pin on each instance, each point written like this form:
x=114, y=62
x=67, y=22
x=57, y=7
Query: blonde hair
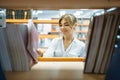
x=69, y=18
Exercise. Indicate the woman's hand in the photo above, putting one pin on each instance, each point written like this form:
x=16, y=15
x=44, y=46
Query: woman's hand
x=39, y=52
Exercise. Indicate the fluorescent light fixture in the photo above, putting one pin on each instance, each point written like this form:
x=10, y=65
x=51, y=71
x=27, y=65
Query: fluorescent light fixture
x=118, y=36
x=111, y=9
x=116, y=46
x=39, y=11
x=102, y=12
x=84, y=9
x=34, y=12
x=97, y=14
x=96, y=10
x=78, y=13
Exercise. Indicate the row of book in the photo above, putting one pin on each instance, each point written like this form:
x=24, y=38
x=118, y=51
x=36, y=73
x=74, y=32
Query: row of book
x=18, y=14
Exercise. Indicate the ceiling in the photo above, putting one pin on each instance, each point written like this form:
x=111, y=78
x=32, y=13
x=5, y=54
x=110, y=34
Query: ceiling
x=59, y=4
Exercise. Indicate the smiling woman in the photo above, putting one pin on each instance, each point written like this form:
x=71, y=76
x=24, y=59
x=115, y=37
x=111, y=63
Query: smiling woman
x=67, y=45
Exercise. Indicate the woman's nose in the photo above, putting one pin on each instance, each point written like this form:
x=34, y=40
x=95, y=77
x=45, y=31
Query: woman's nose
x=62, y=26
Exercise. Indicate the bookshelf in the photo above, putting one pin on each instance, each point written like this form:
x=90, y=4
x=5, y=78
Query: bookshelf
x=82, y=28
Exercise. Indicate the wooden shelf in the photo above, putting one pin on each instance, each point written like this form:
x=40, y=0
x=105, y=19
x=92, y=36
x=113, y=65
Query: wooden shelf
x=80, y=59
x=42, y=36
x=84, y=25
x=53, y=22
x=55, y=31
x=81, y=31
x=35, y=21
x=82, y=38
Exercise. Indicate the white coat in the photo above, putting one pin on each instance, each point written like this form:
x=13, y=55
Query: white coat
x=56, y=49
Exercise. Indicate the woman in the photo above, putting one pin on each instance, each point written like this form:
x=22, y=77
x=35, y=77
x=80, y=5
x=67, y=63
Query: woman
x=67, y=45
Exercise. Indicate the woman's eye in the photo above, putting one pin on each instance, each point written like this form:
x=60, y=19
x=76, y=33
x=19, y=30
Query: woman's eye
x=66, y=25
x=60, y=25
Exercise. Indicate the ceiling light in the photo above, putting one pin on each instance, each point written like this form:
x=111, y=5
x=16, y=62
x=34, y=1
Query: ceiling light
x=78, y=13
x=39, y=11
x=111, y=9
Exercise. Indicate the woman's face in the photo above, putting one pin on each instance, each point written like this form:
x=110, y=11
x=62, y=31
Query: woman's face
x=65, y=28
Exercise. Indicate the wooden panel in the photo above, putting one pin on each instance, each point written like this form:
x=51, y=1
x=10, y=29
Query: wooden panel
x=59, y=4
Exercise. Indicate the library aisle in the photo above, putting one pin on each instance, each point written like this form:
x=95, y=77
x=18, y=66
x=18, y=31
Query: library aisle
x=54, y=71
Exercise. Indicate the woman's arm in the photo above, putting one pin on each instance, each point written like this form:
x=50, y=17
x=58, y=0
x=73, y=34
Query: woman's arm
x=50, y=51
